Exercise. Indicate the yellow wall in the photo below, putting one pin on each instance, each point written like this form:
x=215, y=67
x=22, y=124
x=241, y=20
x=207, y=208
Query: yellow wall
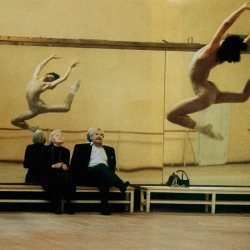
x=121, y=90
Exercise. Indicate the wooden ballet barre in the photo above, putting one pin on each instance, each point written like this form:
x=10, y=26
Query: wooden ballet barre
x=44, y=129
x=179, y=130
x=84, y=131
x=14, y=129
x=113, y=131
x=101, y=44
x=134, y=132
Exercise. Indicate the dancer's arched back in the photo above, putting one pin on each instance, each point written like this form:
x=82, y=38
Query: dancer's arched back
x=213, y=54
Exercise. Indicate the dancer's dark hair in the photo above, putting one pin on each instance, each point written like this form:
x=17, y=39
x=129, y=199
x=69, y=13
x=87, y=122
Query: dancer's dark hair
x=56, y=76
x=230, y=49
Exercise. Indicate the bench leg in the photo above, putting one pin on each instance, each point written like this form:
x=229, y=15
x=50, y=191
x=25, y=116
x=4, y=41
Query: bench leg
x=213, y=203
x=130, y=197
x=131, y=202
x=148, y=201
x=62, y=204
x=142, y=203
x=127, y=199
x=206, y=206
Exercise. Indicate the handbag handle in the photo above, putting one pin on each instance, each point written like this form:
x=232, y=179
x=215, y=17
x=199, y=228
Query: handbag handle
x=182, y=172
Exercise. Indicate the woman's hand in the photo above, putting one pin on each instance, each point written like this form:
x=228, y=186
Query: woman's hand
x=64, y=166
x=57, y=165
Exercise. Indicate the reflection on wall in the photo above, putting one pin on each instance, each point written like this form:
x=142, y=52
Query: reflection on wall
x=126, y=93
x=213, y=152
x=121, y=92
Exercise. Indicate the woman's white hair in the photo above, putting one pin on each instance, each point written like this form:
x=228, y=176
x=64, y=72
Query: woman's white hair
x=39, y=137
x=52, y=134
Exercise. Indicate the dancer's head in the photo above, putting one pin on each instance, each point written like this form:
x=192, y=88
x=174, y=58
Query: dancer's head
x=39, y=137
x=230, y=49
x=56, y=137
x=50, y=77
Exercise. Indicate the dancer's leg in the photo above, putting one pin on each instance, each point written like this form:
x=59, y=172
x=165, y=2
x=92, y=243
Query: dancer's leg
x=227, y=97
x=19, y=120
x=75, y=87
x=65, y=107
x=179, y=113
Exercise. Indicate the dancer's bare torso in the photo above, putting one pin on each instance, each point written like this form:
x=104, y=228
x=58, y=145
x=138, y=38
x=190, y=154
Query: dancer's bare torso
x=199, y=69
x=33, y=91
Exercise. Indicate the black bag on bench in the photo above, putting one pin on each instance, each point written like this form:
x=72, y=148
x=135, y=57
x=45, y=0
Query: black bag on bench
x=174, y=180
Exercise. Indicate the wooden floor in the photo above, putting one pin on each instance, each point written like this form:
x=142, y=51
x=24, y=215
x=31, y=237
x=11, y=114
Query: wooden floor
x=154, y=231
x=28, y=230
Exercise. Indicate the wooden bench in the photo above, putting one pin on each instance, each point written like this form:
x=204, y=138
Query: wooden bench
x=211, y=194
x=25, y=188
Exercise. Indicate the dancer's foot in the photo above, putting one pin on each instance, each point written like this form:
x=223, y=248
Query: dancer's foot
x=33, y=129
x=75, y=87
x=247, y=88
x=207, y=130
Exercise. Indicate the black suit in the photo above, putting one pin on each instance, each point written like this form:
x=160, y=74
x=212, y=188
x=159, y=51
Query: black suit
x=81, y=157
x=101, y=176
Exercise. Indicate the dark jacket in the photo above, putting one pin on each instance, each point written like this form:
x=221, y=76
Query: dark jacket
x=32, y=162
x=51, y=155
x=81, y=158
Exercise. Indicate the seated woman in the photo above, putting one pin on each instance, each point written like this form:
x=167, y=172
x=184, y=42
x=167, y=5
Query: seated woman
x=55, y=176
x=32, y=158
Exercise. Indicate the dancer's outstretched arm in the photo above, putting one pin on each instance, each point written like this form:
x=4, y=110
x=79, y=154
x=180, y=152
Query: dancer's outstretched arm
x=227, y=23
x=61, y=79
x=42, y=64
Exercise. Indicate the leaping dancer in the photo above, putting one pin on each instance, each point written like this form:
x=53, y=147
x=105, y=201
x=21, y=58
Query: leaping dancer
x=213, y=54
x=39, y=85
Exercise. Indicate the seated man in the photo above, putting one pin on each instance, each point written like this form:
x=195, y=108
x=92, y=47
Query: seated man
x=93, y=164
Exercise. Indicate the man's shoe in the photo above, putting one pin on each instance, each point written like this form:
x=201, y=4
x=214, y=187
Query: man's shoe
x=68, y=209
x=124, y=186
x=57, y=207
x=105, y=211
x=58, y=211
